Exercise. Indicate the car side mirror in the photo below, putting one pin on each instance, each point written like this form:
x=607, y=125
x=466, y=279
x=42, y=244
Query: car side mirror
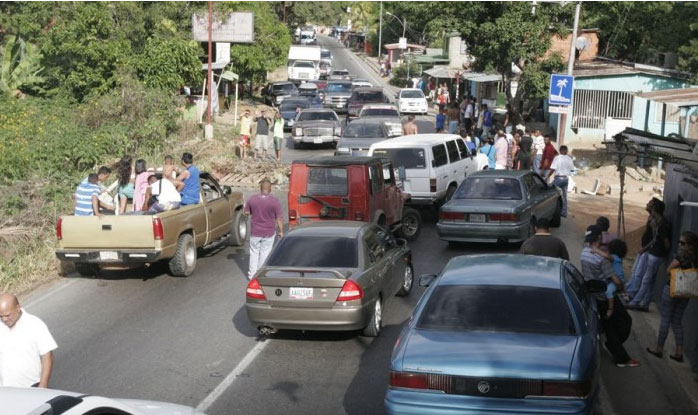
x=426, y=280
x=227, y=190
x=595, y=286
x=401, y=241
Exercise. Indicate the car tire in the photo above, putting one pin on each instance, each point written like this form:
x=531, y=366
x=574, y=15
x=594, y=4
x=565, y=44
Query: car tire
x=374, y=325
x=183, y=262
x=297, y=146
x=556, y=220
x=86, y=270
x=411, y=224
x=407, y=281
x=239, y=229
x=450, y=192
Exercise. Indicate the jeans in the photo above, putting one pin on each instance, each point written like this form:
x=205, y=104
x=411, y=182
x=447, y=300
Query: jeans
x=636, y=274
x=561, y=182
x=260, y=247
x=672, y=314
x=644, y=294
x=536, y=163
x=485, y=133
x=162, y=207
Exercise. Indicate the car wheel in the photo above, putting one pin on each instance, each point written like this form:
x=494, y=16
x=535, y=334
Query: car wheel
x=450, y=192
x=374, y=325
x=407, y=281
x=183, y=262
x=297, y=146
x=557, y=216
x=238, y=229
x=86, y=270
x=411, y=224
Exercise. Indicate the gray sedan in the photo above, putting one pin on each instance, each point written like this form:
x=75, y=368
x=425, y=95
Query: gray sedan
x=316, y=126
x=498, y=206
x=360, y=134
x=331, y=275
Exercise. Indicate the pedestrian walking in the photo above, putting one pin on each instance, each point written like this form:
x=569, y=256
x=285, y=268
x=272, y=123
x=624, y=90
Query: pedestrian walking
x=501, y=147
x=617, y=327
x=523, y=158
x=26, y=346
x=262, y=138
x=278, y=134
x=453, y=118
x=486, y=121
x=410, y=127
x=440, y=121
x=538, y=147
x=468, y=115
x=266, y=222
x=672, y=309
x=509, y=120
x=543, y=243
x=546, y=161
x=245, y=132
x=560, y=170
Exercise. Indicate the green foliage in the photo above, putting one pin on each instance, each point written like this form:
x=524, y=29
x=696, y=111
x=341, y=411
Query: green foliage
x=399, y=74
x=20, y=68
x=688, y=56
x=322, y=13
x=169, y=62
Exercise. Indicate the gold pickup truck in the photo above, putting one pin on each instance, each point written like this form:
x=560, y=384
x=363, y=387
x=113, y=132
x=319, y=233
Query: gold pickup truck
x=108, y=241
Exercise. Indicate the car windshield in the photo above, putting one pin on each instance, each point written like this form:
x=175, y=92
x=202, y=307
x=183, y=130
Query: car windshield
x=326, y=54
x=317, y=116
x=303, y=64
x=327, y=252
x=380, y=112
x=363, y=131
x=409, y=158
x=338, y=87
x=411, y=94
x=328, y=181
x=291, y=105
x=489, y=188
x=497, y=308
x=367, y=96
x=283, y=87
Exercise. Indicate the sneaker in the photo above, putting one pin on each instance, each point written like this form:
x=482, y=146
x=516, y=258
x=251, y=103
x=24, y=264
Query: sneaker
x=629, y=363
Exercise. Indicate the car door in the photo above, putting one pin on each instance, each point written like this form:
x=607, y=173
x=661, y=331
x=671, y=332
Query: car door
x=534, y=196
x=456, y=163
x=469, y=163
x=217, y=209
x=395, y=265
x=548, y=198
x=439, y=168
x=379, y=264
x=378, y=198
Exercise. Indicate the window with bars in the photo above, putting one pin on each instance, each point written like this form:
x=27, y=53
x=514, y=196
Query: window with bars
x=591, y=107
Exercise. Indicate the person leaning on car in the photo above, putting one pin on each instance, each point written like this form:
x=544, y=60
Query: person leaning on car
x=544, y=244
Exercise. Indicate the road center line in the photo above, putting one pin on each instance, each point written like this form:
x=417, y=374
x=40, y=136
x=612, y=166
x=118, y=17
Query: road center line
x=225, y=384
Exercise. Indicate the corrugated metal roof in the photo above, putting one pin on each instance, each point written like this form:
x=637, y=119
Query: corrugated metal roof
x=481, y=77
x=683, y=97
x=441, y=71
x=675, y=149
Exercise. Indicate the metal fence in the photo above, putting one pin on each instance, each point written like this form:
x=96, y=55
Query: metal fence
x=591, y=107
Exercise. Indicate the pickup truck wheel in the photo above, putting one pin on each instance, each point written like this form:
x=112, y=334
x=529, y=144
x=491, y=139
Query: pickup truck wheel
x=411, y=224
x=407, y=281
x=183, y=262
x=374, y=325
x=238, y=230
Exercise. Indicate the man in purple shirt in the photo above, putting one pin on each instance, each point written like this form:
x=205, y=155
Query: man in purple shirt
x=266, y=214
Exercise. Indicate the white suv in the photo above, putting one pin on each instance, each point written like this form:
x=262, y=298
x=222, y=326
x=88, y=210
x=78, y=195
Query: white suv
x=412, y=100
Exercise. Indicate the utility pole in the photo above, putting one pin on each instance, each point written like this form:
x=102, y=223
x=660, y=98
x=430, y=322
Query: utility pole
x=208, y=130
x=380, y=32
x=562, y=124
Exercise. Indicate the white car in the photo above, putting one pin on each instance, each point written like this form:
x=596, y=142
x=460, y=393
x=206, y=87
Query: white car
x=24, y=401
x=412, y=100
x=361, y=83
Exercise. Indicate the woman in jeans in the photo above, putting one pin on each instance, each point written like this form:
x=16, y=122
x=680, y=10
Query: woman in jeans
x=673, y=308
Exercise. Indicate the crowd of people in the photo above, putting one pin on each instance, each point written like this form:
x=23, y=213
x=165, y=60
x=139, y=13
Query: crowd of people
x=269, y=132
x=137, y=188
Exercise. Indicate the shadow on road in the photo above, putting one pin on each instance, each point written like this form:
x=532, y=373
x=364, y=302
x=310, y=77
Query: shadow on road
x=242, y=324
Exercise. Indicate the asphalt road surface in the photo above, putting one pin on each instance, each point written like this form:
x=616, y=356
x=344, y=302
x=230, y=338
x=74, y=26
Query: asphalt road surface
x=144, y=334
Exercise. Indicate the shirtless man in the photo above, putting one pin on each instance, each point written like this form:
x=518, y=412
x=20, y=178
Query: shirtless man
x=410, y=127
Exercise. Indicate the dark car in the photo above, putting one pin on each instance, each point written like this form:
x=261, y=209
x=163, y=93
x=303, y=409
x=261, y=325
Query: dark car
x=289, y=110
x=336, y=94
x=310, y=92
x=336, y=275
x=274, y=93
x=360, y=134
x=362, y=96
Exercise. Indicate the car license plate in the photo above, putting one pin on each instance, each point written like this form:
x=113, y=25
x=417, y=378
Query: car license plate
x=300, y=293
x=317, y=140
x=109, y=256
x=477, y=217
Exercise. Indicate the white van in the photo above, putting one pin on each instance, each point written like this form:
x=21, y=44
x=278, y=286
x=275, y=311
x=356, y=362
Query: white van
x=434, y=165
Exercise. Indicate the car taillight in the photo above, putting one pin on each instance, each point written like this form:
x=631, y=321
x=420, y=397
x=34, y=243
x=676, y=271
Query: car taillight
x=350, y=291
x=359, y=216
x=567, y=389
x=158, y=234
x=408, y=380
x=504, y=217
x=59, y=229
x=254, y=290
x=432, y=185
x=451, y=215
x=292, y=215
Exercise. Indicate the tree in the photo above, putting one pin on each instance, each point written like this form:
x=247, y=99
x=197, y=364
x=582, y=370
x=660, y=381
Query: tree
x=688, y=56
x=303, y=12
x=20, y=68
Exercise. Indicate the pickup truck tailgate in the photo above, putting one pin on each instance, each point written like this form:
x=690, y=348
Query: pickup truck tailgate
x=114, y=232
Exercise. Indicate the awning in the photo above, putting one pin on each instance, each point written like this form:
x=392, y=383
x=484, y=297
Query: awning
x=442, y=72
x=675, y=149
x=682, y=97
x=481, y=77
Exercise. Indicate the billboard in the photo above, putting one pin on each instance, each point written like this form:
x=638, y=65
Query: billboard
x=235, y=27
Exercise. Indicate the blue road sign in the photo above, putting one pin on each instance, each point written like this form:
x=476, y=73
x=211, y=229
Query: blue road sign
x=561, y=87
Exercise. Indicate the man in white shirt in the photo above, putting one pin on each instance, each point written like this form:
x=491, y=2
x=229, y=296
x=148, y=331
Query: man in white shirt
x=561, y=169
x=166, y=192
x=538, y=147
x=26, y=346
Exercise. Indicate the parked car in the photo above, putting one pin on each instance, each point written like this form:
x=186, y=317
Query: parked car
x=275, y=93
x=350, y=188
x=362, y=96
x=316, y=126
x=361, y=83
x=22, y=401
x=336, y=275
x=108, y=241
x=387, y=113
x=498, y=206
x=412, y=100
x=434, y=164
x=513, y=334
x=360, y=134
x=288, y=110
x=310, y=92
x=336, y=94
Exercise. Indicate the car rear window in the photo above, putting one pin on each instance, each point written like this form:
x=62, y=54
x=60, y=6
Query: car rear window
x=367, y=96
x=489, y=188
x=411, y=94
x=332, y=87
x=379, y=112
x=283, y=87
x=409, y=158
x=340, y=72
x=291, y=105
x=315, y=251
x=497, y=308
x=317, y=116
x=363, y=131
x=327, y=181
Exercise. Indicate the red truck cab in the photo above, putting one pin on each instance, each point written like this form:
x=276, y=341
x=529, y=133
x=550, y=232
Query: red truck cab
x=350, y=188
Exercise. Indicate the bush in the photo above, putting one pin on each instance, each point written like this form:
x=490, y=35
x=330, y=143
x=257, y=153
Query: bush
x=399, y=77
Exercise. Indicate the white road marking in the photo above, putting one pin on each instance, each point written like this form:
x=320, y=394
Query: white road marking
x=59, y=287
x=225, y=384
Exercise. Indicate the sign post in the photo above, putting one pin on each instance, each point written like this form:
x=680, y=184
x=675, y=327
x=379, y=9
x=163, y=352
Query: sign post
x=560, y=98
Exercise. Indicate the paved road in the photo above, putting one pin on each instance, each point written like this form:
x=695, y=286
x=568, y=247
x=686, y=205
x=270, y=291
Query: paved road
x=144, y=334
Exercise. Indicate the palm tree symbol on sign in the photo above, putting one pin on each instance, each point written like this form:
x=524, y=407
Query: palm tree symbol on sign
x=562, y=84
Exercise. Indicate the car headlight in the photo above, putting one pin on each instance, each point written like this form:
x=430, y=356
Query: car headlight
x=337, y=130
x=298, y=131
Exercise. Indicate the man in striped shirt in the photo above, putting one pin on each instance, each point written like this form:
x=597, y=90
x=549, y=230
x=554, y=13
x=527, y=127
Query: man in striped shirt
x=86, y=198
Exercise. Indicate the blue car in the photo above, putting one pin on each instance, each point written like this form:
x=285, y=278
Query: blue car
x=499, y=334
x=288, y=110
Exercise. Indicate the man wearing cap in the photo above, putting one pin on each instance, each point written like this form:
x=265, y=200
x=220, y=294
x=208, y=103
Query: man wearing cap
x=266, y=214
x=617, y=327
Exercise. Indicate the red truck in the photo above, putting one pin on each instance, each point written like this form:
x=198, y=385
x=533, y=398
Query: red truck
x=350, y=188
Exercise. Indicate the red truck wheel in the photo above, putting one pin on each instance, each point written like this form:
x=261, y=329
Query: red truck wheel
x=411, y=224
